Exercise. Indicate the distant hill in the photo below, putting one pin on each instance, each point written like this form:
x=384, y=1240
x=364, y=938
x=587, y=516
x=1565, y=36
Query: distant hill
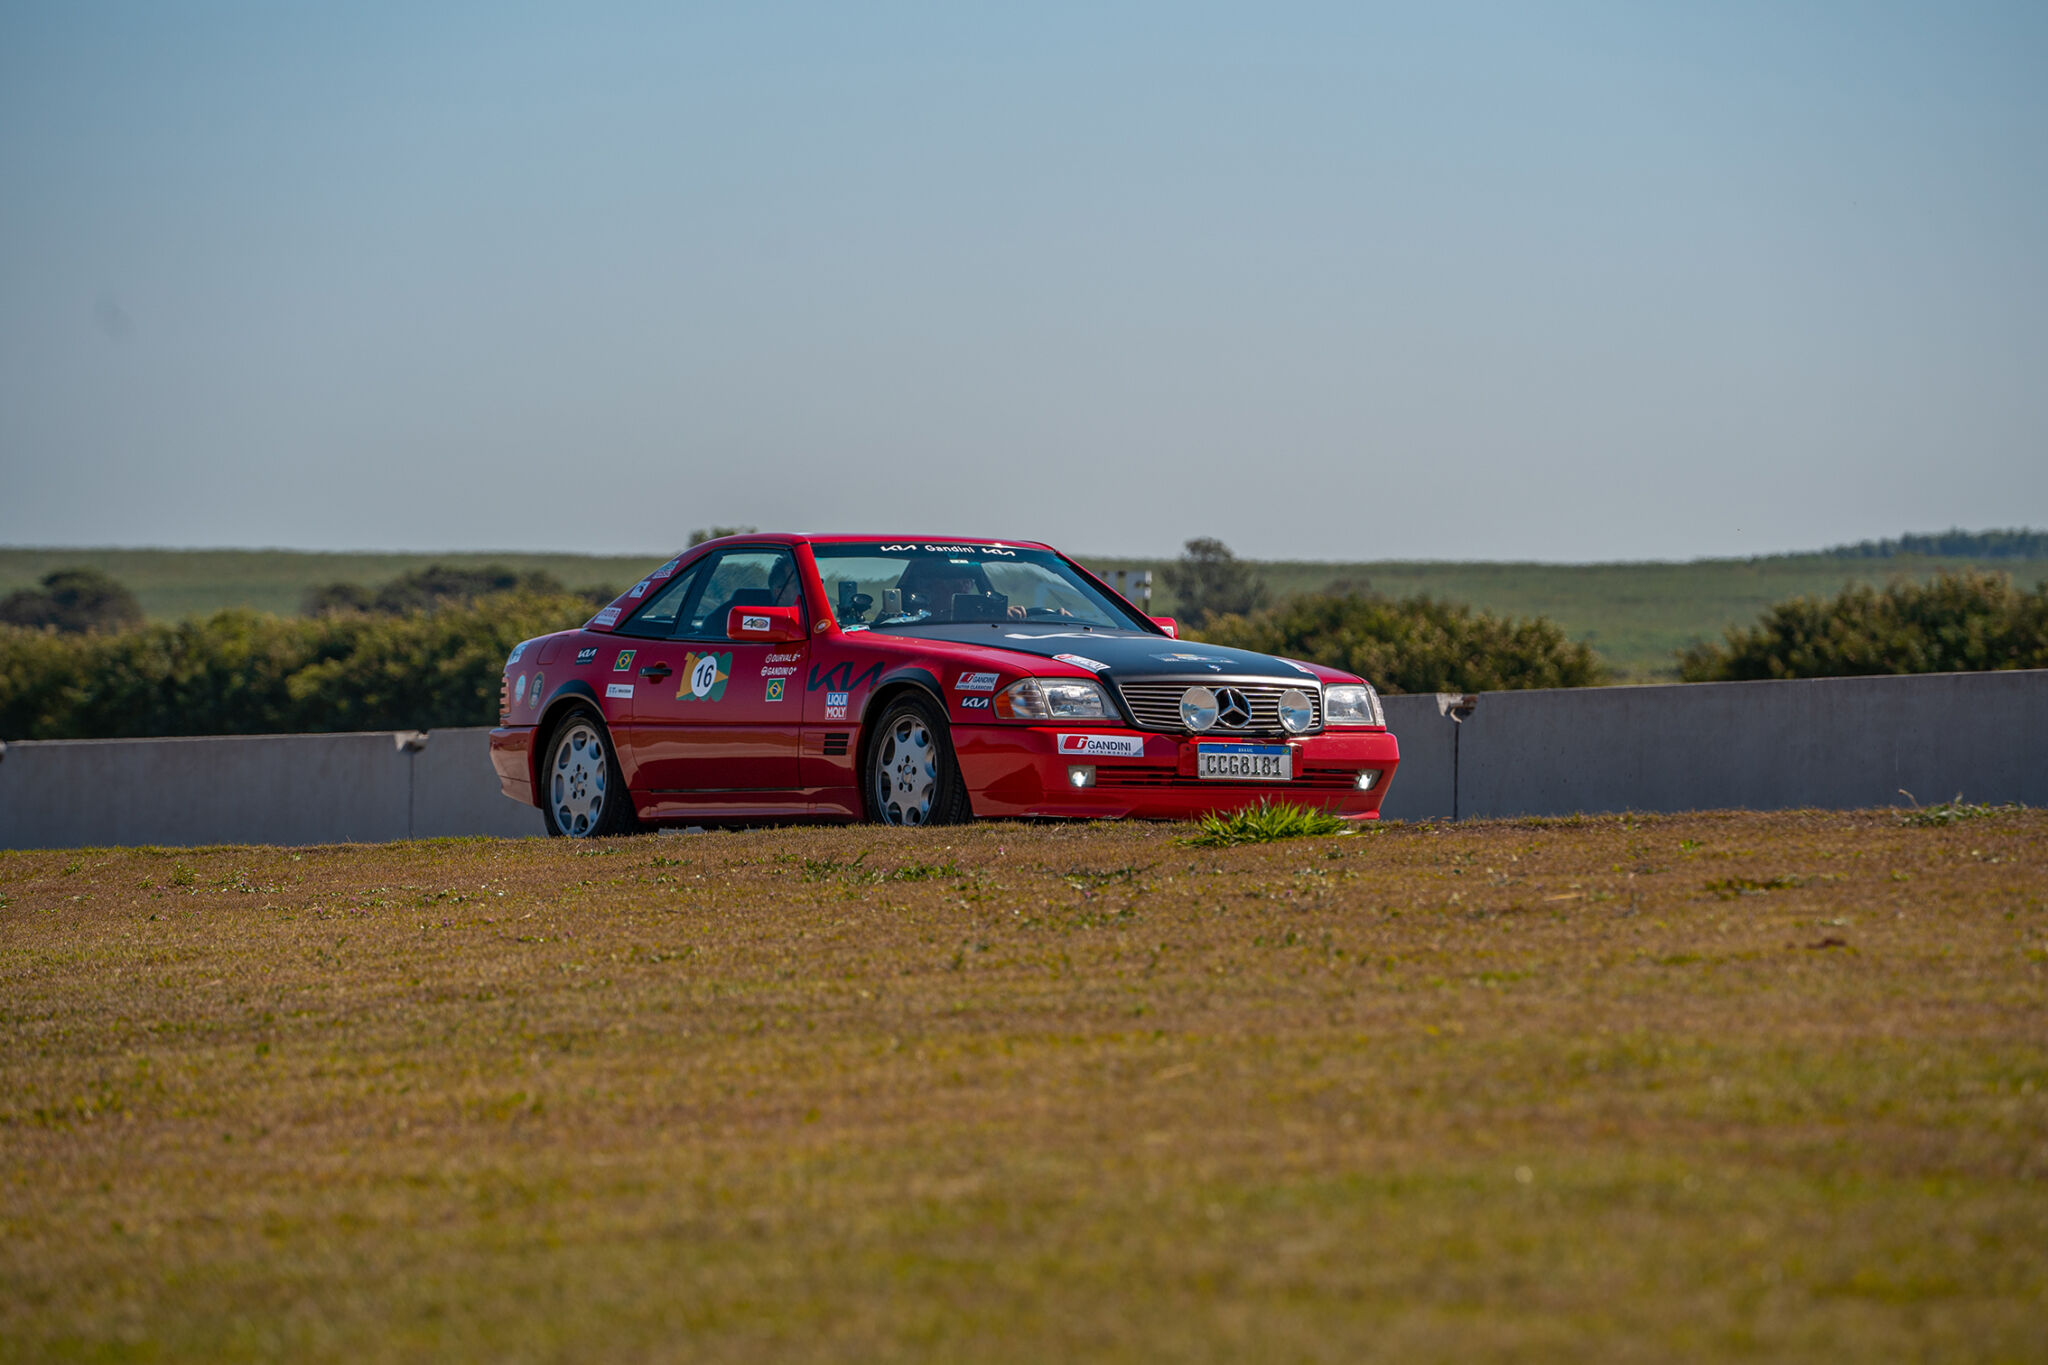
x=1635, y=615
x=1954, y=544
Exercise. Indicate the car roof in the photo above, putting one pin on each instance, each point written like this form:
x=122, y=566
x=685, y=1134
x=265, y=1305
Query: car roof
x=851, y=538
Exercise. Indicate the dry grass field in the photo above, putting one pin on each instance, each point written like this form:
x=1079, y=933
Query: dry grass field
x=1722, y=1086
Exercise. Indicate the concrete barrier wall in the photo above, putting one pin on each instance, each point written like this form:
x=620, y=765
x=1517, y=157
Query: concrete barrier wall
x=1829, y=742
x=1839, y=743
x=254, y=789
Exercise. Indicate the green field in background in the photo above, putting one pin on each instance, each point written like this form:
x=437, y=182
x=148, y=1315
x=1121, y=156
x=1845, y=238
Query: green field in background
x=1634, y=615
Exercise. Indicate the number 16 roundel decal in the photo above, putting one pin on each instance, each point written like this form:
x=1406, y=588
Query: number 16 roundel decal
x=704, y=677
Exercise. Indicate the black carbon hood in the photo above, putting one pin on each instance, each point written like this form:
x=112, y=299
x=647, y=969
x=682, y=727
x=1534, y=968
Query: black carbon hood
x=1120, y=653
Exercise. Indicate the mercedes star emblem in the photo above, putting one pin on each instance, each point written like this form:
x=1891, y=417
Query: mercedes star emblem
x=1233, y=708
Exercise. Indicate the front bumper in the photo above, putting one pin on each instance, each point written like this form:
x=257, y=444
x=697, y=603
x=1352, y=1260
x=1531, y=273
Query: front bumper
x=512, y=757
x=1015, y=770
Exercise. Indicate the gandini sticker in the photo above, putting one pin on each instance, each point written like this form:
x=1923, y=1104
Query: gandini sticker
x=704, y=677
x=753, y=623
x=640, y=588
x=623, y=662
x=775, y=689
x=835, y=705
x=1103, y=746
x=624, y=691
x=976, y=682
x=608, y=617
x=1083, y=661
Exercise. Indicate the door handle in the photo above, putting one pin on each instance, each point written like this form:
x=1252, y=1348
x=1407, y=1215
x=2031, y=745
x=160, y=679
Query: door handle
x=656, y=671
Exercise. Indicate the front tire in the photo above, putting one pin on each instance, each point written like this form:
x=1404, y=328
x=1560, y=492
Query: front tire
x=582, y=793
x=912, y=776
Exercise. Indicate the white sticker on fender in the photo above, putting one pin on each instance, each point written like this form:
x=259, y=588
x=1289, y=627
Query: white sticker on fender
x=623, y=691
x=1103, y=746
x=976, y=682
x=609, y=616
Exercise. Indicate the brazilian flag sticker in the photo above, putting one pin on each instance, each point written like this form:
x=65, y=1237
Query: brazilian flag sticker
x=704, y=676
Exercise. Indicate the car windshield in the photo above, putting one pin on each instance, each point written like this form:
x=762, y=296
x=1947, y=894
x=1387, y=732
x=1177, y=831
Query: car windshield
x=903, y=586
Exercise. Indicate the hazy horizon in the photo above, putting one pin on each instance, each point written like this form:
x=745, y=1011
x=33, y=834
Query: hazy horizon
x=1597, y=283
x=1084, y=553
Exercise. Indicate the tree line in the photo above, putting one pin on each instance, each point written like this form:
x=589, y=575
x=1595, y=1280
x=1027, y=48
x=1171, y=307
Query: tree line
x=76, y=661
x=1956, y=543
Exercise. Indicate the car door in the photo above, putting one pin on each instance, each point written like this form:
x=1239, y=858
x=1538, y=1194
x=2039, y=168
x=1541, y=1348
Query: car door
x=717, y=721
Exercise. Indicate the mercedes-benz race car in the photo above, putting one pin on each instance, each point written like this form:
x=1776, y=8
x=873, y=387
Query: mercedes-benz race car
x=912, y=682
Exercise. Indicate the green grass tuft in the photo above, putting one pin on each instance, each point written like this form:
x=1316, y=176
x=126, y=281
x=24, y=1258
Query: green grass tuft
x=1265, y=822
x=1949, y=812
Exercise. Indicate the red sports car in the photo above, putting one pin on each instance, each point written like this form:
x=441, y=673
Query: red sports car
x=913, y=681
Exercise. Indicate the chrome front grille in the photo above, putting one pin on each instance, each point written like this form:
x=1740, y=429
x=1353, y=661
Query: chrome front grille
x=1155, y=704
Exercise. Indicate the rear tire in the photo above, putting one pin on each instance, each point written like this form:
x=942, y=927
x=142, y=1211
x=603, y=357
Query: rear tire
x=912, y=776
x=582, y=795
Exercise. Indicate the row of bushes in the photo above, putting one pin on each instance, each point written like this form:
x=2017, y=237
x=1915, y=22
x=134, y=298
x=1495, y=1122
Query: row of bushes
x=242, y=673
x=1414, y=645
x=239, y=672
x=1954, y=623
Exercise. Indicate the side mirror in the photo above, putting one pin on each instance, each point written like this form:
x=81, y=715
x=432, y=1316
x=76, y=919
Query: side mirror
x=772, y=625
x=1169, y=625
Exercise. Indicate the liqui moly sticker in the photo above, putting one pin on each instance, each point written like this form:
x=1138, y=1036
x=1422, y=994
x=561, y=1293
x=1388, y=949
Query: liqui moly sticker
x=1083, y=661
x=835, y=705
x=976, y=682
x=619, y=691
x=1102, y=746
x=753, y=623
x=608, y=617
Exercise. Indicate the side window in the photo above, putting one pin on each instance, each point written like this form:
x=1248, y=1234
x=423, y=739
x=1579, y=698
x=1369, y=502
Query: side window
x=737, y=578
x=656, y=619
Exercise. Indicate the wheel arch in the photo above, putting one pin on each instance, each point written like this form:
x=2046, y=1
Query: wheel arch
x=566, y=696
x=891, y=685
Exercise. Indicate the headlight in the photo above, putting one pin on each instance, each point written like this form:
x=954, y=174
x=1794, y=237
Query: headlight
x=1352, y=704
x=1297, y=713
x=1058, y=699
x=1198, y=708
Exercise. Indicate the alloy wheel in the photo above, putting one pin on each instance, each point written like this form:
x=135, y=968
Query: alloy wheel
x=907, y=773
x=577, y=779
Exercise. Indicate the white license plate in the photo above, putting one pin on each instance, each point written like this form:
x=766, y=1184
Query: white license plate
x=1245, y=762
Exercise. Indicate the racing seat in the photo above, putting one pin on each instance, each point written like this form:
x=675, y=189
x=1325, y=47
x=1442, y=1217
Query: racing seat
x=742, y=597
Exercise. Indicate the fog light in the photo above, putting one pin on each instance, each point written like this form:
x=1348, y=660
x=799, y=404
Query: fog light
x=1296, y=713
x=1368, y=779
x=1080, y=775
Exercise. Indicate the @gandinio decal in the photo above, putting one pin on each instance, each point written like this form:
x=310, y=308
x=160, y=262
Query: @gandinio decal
x=704, y=676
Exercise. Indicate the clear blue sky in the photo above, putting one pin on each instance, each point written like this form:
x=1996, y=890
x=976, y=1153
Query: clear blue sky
x=1340, y=281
